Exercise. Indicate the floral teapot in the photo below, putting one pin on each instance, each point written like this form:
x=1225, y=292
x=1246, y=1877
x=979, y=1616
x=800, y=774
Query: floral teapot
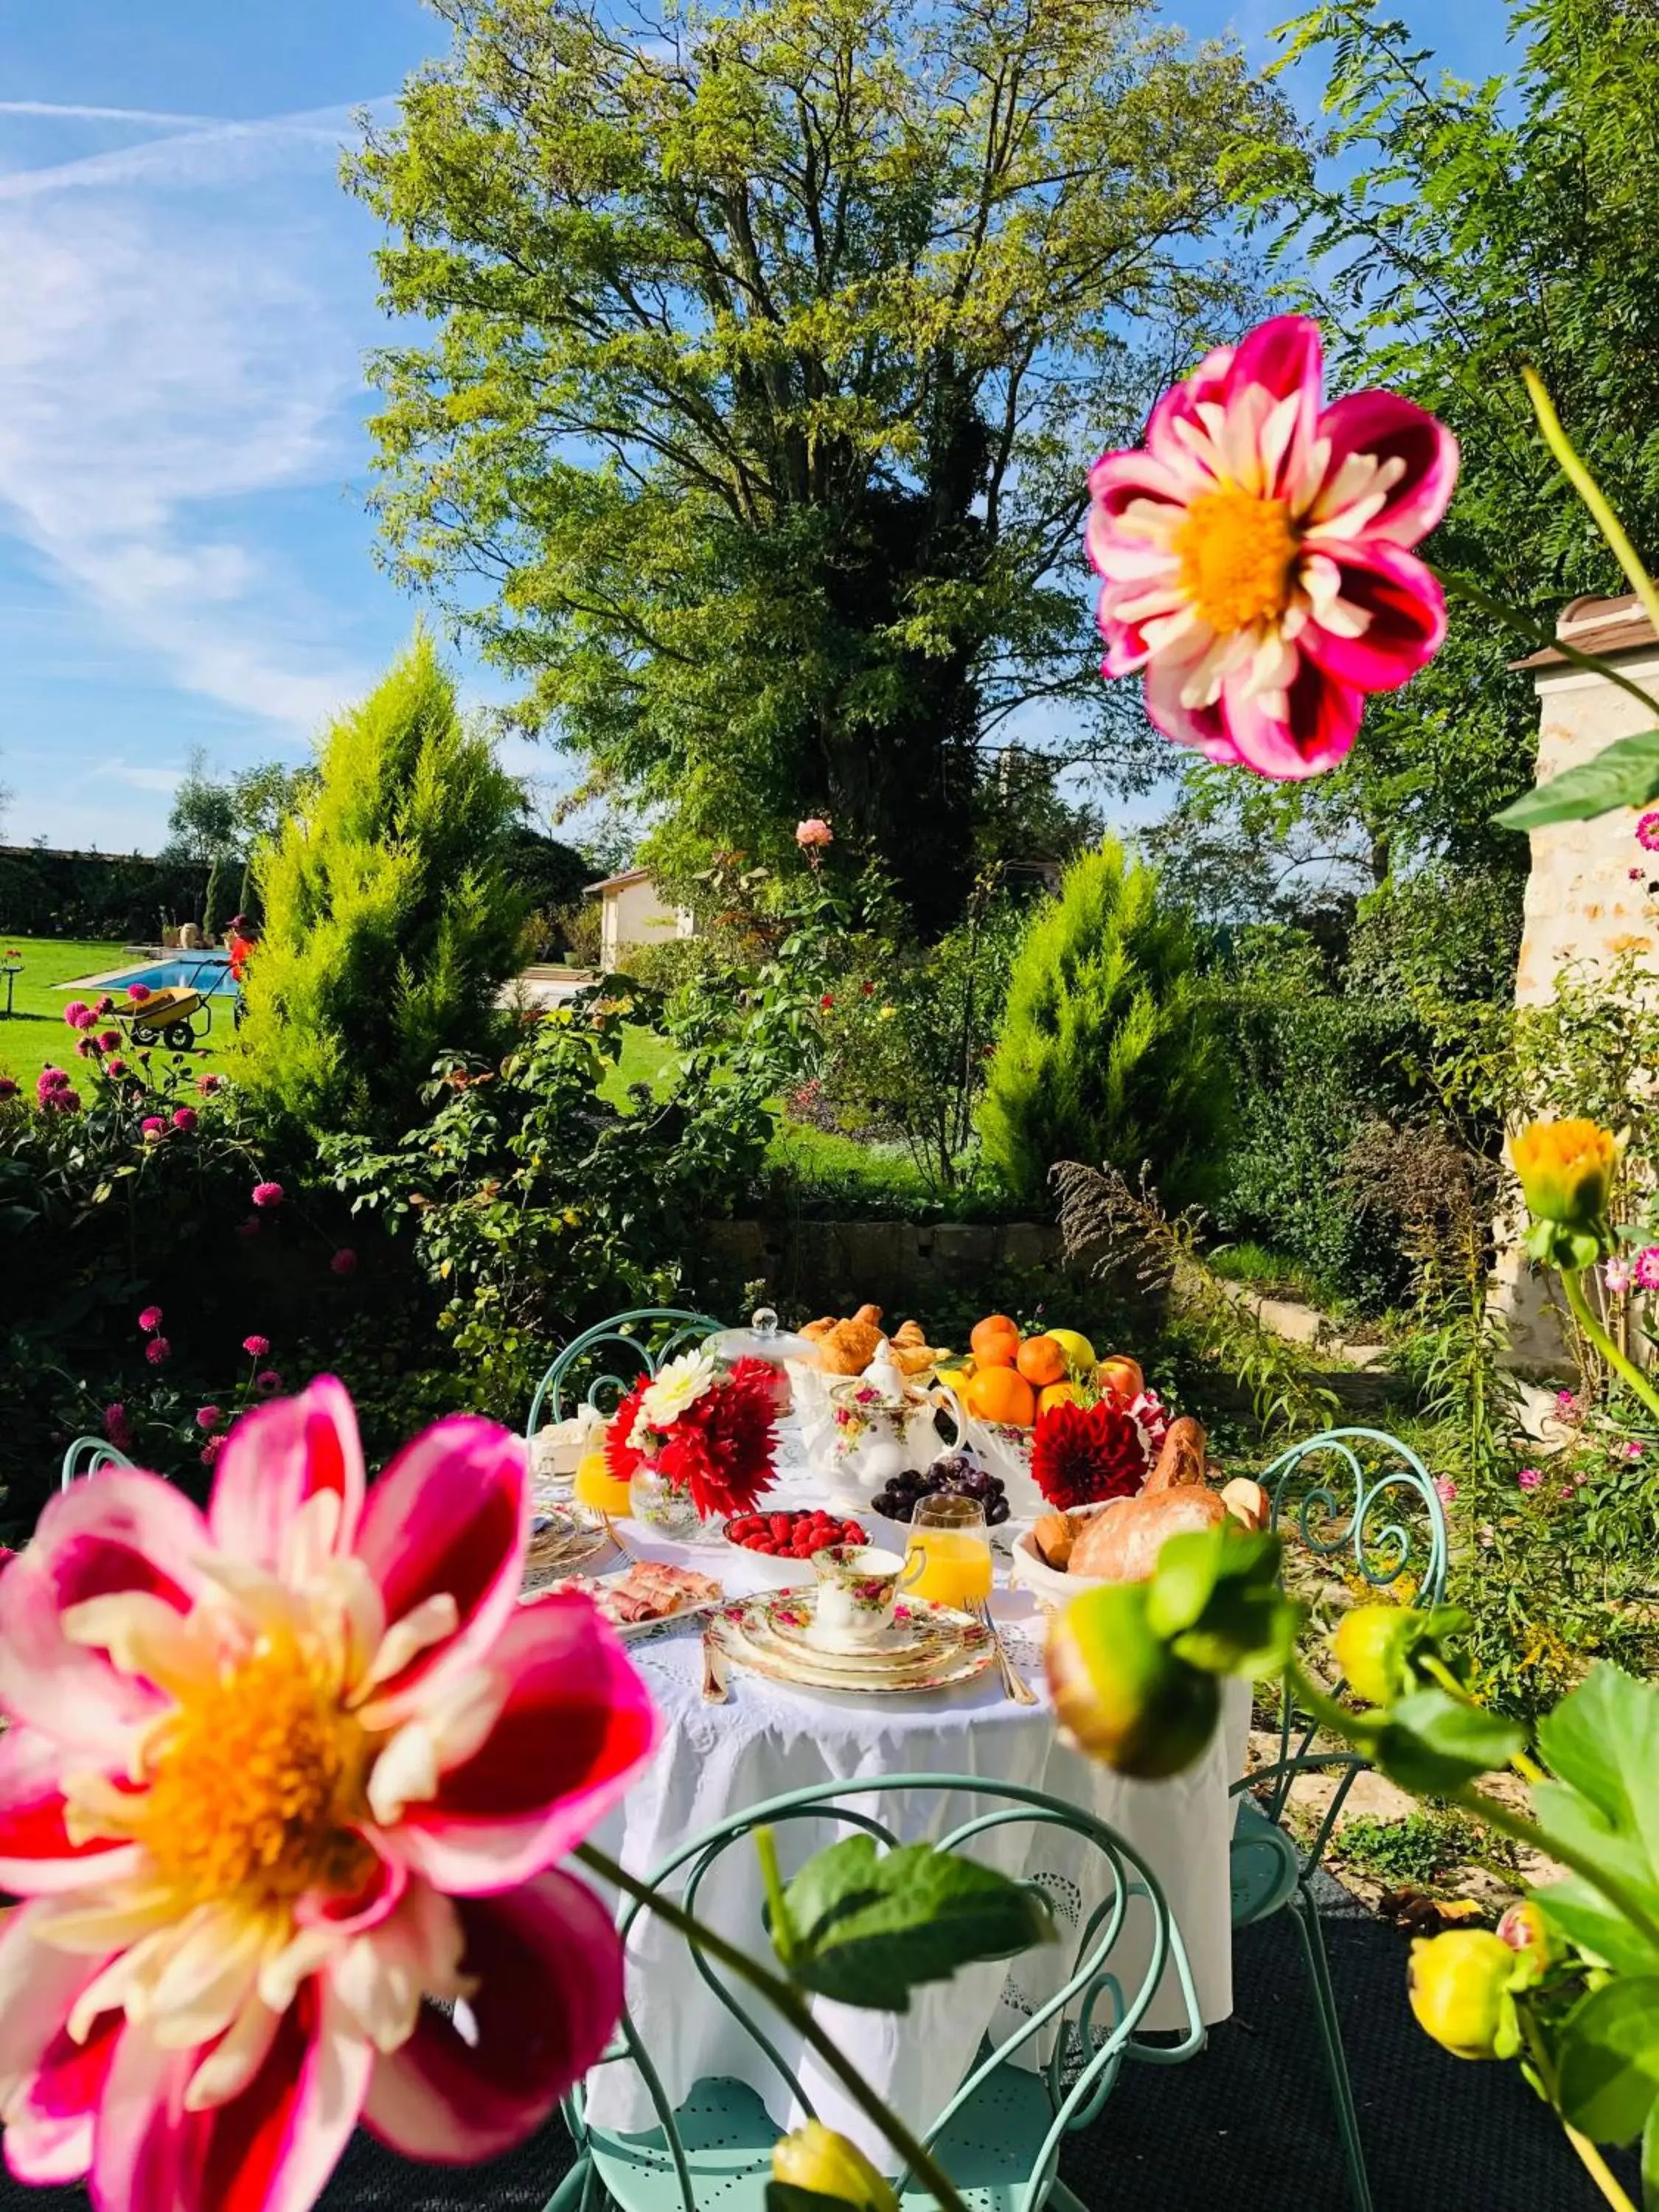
x=881, y=1424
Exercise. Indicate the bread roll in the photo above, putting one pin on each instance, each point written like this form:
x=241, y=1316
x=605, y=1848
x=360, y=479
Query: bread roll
x=1182, y=1462
x=1123, y=1546
x=1246, y=1501
x=1055, y=1538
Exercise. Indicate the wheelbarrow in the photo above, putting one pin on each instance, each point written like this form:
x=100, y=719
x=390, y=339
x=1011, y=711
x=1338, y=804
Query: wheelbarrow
x=169, y=1016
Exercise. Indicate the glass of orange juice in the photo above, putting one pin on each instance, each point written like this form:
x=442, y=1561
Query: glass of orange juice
x=597, y=1488
x=954, y=1544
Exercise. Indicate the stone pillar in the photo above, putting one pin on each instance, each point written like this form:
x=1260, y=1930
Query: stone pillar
x=1582, y=908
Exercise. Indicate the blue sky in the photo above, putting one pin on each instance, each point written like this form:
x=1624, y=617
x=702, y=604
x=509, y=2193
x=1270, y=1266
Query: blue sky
x=184, y=561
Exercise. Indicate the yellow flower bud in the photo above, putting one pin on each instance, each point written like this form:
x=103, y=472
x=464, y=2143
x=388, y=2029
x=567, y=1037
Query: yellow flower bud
x=815, y=2157
x=1369, y=1644
x=1119, y=1693
x=1524, y=1929
x=1459, y=1985
x=1567, y=1170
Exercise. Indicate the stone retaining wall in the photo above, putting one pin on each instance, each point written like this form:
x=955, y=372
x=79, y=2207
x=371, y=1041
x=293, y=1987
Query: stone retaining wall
x=835, y=1265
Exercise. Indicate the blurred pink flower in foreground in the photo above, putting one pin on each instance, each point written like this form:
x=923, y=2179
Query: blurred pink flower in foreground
x=1255, y=553
x=277, y=1774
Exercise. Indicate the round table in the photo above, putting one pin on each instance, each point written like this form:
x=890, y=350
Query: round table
x=770, y=1737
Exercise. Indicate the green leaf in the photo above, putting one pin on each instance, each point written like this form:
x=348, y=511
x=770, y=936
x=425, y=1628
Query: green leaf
x=1608, y=2060
x=869, y=1925
x=1432, y=1743
x=1623, y=774
x=1651, y=2162
x=1603, y=1740
x=1583, y=1916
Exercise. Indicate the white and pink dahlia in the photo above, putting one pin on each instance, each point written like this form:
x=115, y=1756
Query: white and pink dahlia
x=283, y=1795
x=1256, y=556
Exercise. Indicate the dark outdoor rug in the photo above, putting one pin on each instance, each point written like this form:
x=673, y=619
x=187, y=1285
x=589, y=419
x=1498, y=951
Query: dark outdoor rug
x=1248, y=2125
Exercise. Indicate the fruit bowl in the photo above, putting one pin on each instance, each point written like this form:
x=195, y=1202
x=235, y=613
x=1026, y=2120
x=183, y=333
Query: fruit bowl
x=957, y=1473
x=776, y=1557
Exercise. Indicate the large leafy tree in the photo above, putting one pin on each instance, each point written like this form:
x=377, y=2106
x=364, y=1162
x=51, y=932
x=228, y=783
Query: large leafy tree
x=1449, y=234
x=771, y=346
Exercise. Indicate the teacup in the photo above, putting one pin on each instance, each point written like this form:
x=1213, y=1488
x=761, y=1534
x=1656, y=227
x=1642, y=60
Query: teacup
x=858, y=1590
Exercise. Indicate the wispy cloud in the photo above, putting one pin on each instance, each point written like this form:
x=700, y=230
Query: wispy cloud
x=77, y=112
x=184, y=320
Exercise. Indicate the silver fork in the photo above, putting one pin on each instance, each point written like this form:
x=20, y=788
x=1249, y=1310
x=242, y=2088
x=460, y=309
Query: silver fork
x=1014, y=1684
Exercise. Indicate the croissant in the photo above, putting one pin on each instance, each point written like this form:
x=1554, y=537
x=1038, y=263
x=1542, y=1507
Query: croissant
x=907, y=1332
x=869, y=1314
x=848, y=1348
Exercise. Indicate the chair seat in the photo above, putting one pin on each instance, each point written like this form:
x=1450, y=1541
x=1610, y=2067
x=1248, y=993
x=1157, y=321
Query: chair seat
x=1263, y=1867
x=988, y=2150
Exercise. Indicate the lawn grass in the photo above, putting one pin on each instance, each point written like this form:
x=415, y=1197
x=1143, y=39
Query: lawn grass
x=36, y=1033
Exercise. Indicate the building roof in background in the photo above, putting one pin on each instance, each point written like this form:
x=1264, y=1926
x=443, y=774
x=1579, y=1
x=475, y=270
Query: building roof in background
x=1599, y=626
x=614, y=883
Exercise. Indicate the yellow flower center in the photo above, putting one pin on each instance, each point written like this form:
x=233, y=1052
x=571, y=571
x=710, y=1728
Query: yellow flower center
x=1236, y=554
x=253, y=1779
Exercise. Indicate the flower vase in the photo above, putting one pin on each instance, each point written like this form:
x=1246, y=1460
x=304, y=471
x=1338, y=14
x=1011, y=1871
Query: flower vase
x=666, y=1508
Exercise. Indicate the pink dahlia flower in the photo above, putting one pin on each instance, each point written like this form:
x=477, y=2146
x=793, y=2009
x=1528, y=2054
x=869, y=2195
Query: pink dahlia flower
x=183, y=1119
x=150, y=1319
x=275, y=1775
x=1255, y=553
x=256, y=1347
x=1646, y=1269
x=814, y=832
x=79, y=1015
x=267, y=1194
x=344, y=1261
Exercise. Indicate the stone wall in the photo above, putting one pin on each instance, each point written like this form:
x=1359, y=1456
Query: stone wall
x=835, y=1265
x=1584, y=907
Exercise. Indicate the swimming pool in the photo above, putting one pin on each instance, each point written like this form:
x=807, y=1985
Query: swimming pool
x=206, y=972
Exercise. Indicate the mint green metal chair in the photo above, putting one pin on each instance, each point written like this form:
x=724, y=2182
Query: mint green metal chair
x=999, y=2136
x=649, y=1336
x=1360, y=1496
x=85, y=1455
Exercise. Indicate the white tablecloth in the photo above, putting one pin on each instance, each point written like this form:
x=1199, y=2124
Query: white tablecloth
x=770, y=1738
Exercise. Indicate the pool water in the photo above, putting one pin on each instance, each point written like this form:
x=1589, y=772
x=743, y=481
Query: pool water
x=206, y=972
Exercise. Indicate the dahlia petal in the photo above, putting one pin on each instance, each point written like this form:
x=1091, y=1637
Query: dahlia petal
x=1405, y=617
x=274, y=1460
x=1300, y=731
x=38, y=1990
x=1382, y=425
x=1281, y=360
x=548, y=1969
x=273, y=2148
x=354, y=1916
x=139, y=2158
x=36, y=1854
x=577, y=1725
x=1203, y=728
x=234, y=2060
x=124, y=1530
x=381, y=1976
x=208, y=1977
x=451, y=1513
x=1119, y=481
x=49, y=2127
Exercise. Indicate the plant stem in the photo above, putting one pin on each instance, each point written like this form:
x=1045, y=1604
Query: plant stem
x=1460, y=587
x=1594, y=2164
x=1573, y=1285
x=1591, y=493
x=1362, y=1731
x=786, y=1999
x=782, y=1934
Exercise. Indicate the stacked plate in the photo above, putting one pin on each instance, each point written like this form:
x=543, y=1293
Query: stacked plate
x=929, y=1647
x=560, y=1543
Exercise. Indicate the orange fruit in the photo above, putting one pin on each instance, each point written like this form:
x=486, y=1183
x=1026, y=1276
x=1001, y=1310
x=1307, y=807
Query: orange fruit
x=995, y=1341
x=1061, y=1394
x=1120, y=1379
x=1041, y=1360
x=997, y=1394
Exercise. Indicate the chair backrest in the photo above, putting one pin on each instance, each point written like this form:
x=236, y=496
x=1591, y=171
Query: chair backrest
x=1360, y=1497
x=1004, y=1819
x=85, y=1455
x=1362, y=1493
x=637, y=1343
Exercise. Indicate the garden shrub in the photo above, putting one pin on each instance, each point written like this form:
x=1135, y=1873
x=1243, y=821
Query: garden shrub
x=1108, y=1051
x=392, y=918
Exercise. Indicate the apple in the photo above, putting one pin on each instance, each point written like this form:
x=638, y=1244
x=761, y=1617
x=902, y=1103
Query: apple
x=1079, y=1352
x=1120, y=1379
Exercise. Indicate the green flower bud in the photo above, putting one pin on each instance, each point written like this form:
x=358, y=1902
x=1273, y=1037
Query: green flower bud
x=1119, y=1693
x=1371, y=1644
x=1567, y=1170
x=815, y=2157
x=1524, y=1930
x=1459, y=1985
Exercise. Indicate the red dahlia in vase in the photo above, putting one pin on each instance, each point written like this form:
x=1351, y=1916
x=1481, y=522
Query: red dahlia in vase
x=703, y=1427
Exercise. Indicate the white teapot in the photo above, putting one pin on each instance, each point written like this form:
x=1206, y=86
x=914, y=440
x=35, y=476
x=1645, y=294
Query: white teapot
x=882, y=1424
